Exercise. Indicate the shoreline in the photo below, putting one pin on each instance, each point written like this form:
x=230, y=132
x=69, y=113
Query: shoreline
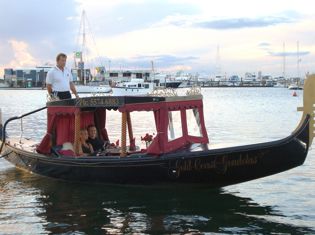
x=39, y=88
x=22, y=88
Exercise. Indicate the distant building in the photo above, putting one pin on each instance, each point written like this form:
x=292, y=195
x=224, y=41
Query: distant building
x=249, y=77
x=234, y=78
x=26, y=77
x=259, y=77
x=36, y=76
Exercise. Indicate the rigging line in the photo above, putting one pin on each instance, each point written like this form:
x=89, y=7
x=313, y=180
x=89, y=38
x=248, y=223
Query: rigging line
x=15, y=118
x=78, y=35
x=77, y=43
x=84, y=50
x=7, y=154
x=93, y=39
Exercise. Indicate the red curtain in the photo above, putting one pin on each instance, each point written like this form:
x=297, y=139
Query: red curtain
x=45, y=145
x=87, y=118
x=100, y=123
x=64, y=129
x=161, y=144
x=65, y=126
x=61, y=123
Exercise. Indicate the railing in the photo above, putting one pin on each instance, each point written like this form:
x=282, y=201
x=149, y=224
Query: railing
x=12, y=119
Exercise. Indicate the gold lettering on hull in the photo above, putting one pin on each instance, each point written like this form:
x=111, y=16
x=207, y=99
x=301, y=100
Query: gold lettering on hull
x=221, y=163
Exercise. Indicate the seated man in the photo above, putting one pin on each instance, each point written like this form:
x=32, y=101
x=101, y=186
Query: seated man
x=97, y=143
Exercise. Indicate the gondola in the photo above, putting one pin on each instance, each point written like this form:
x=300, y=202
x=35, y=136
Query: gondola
x=169, y=157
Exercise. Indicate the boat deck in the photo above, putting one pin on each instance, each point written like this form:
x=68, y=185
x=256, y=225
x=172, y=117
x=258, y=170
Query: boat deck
x=28, y=145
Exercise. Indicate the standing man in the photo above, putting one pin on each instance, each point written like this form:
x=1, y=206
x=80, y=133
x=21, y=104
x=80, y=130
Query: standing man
x=59, y=80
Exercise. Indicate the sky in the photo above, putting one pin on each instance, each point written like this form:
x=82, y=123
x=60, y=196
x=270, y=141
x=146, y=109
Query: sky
x=175, y=34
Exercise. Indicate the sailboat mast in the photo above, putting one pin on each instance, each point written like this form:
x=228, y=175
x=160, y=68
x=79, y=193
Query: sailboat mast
x=298, y=58
x=153, y=72
x=218, y=61
x=83, y=34
x=83, y=46
x=284, y=61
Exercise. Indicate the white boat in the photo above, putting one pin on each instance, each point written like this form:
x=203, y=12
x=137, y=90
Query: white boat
x=185, y=79
x=93, y=88
x=167, y=81
x=132, y=88
x=3, y=85
x=219, y=78
x=294, y=87
x=279, y=85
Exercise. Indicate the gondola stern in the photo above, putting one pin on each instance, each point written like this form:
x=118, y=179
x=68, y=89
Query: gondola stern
x=308, y=110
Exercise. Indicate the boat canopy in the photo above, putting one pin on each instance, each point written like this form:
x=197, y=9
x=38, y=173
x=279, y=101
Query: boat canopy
x=65, y=118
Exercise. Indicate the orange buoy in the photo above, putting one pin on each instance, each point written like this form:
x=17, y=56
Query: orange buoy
x=294, y=94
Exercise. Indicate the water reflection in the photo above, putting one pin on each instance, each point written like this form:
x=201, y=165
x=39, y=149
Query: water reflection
x=42, y=205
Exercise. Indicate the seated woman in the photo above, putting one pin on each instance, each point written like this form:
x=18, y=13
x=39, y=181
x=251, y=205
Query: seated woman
x=85, y=148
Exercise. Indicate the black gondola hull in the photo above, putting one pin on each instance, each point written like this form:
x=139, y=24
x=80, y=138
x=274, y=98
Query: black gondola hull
x=216, y=167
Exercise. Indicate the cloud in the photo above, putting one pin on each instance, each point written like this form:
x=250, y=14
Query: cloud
x=22, y=56
x=173, y=33
x=35, y=19
x=289, y=53
x=264, y=44
x=167, y=62
x=238, y=23
x=270, y=51
x=131, y=15
x=217, y=23
x=46, y=27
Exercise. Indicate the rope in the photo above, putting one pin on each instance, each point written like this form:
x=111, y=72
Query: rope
x=3, y=156
x=21, y=128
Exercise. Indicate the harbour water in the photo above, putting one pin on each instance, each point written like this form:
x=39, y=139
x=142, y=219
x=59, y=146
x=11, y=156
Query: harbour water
x=279, y=204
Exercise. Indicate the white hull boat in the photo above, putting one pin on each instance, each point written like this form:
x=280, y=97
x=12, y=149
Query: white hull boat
x=133, y=88
x=93, y=89
x=295, y=87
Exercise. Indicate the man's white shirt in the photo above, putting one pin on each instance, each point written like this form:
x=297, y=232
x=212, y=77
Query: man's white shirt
x=59, y=80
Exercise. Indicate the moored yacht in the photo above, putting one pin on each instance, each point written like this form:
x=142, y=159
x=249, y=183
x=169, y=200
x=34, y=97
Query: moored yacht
x=165, y=80
x=132, y=88
x=93, y=87
x=4, y=85
x=295, y=87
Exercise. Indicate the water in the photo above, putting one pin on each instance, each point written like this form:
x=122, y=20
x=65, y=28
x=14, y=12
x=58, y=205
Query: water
x=279, y=204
